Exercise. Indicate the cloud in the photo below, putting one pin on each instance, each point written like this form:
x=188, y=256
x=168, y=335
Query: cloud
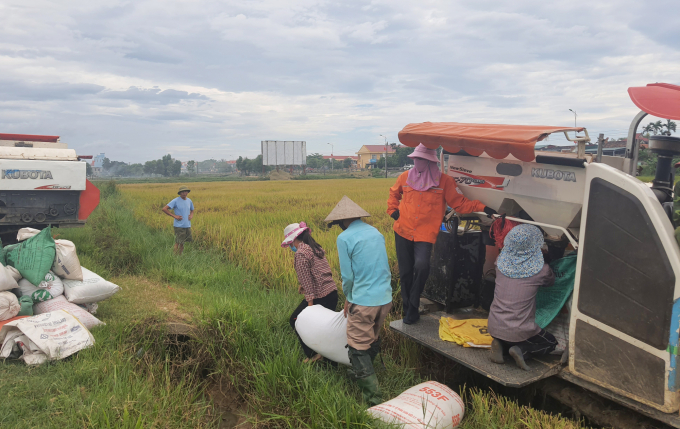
x=161, y=76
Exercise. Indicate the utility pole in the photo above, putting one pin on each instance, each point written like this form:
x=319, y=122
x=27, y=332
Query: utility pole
x=331, y=155
x=600, y=143
x=385, y=154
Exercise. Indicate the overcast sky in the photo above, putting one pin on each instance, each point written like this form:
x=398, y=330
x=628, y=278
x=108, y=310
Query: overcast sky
x=211, y=79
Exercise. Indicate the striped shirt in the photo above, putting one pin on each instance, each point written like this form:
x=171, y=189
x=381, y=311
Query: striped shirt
x=313, y=273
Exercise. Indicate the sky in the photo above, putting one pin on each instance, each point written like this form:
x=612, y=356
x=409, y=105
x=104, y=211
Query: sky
x=212, y=79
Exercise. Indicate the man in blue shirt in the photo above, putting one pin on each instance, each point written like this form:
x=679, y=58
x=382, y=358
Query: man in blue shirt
x=366, y=283
x=183, y=209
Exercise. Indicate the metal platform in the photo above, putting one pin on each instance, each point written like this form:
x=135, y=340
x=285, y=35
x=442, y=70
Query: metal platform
x=426, y=332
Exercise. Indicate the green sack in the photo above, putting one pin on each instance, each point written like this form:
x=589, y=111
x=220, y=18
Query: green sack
x=33, y=257
x=551, y=299
x=26, y=304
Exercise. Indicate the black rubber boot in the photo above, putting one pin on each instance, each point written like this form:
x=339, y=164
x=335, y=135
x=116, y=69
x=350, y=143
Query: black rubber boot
x=497, y=351
x=362, y=368
x=375, y=349
x=370, y=390
x=517, y=354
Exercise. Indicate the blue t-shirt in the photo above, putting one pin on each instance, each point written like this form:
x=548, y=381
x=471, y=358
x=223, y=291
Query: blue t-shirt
x=182, y=208
x=366, y=276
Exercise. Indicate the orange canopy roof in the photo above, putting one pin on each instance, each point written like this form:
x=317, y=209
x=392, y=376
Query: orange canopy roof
x=498, y=141
x=658, y=99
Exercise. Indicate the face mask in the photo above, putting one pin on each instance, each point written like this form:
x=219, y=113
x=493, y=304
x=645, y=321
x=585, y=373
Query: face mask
x=293, y=248
x=420, y=164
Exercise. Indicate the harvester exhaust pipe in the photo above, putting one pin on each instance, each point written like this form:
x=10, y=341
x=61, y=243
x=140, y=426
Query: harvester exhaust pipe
x=665, y=147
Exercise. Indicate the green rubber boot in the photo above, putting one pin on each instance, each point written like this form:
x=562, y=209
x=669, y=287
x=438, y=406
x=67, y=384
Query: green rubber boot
x=370, y=390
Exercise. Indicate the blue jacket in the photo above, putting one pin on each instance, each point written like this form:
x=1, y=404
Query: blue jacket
x=366, y=277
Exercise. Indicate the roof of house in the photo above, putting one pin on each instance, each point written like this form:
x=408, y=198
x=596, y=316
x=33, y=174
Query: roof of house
x=341, y=157
x=375, y=148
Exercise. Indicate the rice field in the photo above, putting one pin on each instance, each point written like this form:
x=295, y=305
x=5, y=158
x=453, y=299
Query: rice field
x=245, y=220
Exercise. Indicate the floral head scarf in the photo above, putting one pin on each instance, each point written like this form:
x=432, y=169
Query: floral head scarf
x=521, y=256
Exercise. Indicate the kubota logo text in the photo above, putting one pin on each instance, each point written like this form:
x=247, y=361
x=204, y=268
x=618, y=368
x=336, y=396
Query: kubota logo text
x=546, y=173
x=26, y=174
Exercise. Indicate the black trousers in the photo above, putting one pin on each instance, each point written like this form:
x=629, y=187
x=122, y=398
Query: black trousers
x=413, y=258
x=329, y=301
x=540, y=344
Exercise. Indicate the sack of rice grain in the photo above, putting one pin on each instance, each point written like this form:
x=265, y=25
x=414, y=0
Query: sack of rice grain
x=60, y=303
x=9, y=305
x=66, y=264
x=33, y=257
x=26, y=233
x=7, y=281
x=92, y=289
x=49, y=288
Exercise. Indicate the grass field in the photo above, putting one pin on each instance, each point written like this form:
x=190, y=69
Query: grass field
x=242, y=356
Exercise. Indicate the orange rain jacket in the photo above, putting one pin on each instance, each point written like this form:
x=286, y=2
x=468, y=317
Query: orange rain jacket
x=421, y=213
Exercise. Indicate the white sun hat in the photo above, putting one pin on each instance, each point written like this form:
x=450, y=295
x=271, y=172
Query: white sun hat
x=292, y=231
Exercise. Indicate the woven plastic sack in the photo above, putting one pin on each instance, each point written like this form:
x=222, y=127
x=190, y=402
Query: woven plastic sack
x=325, y=332
x=549, y=300
x=16, y=275
x=49, y=288
x=26, y=233
x=93, y=288
x=66, y=264
x=426, y=405
x=7, y=281
x=9, y=305
x=33, y=257
x=60, y=303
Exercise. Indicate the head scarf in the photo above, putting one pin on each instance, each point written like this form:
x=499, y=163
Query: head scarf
x=521, y=256
x=424, y=175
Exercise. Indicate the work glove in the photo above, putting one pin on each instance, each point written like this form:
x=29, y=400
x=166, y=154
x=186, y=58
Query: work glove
x=395, y=214
x=489, y=211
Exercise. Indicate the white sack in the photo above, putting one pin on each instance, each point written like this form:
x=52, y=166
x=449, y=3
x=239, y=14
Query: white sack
x=16, y=275
x=51, y=336
x=92, y=289
x=325, y=332
x=60, y=303
x=7, y=281
x=66, y=264
x=49, y=288
x=9, y=305
x=26, y=233
x=426, y=405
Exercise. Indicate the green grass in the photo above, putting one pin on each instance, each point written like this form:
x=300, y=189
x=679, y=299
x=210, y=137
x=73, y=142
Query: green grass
x=136, y=376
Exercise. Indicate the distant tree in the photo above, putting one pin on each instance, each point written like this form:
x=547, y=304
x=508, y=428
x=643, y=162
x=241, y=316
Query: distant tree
x=347, y=163
x=88, y=169
x=150, y=167
x=401, y=154
x=648, y=129
x=670, y=127
x=315, y=160
x=176, y=168
x=240, y=165
x=191, y=167
x=106, y=164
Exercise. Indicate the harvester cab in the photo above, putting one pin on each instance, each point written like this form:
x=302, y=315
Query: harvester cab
x=42, y=183
x=622, y=321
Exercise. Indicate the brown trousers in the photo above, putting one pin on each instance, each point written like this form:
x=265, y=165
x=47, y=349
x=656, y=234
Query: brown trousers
x=364, y=323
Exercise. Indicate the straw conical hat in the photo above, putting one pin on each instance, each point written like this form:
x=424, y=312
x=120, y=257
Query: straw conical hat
x=346, y=209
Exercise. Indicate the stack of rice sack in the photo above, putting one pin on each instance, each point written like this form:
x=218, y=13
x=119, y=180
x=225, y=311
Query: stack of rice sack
x=44, y=275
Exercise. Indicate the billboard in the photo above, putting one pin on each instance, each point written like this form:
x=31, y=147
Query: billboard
x=277, y=152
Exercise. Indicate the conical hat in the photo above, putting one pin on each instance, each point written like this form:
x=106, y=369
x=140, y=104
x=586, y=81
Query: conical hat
x=346, y=209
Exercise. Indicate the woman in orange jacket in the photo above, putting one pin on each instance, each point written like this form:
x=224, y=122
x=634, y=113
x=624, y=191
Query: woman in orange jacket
x=417, y=203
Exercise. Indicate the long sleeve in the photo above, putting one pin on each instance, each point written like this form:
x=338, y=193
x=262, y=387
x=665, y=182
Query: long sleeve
x=456, y=200
x=346, y=270
x=304, y=274
x=396, y=192
x=549, y=278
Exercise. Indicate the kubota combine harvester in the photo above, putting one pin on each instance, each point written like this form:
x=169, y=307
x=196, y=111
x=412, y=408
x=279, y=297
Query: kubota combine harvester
x=42, y=183
x=624, y=314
